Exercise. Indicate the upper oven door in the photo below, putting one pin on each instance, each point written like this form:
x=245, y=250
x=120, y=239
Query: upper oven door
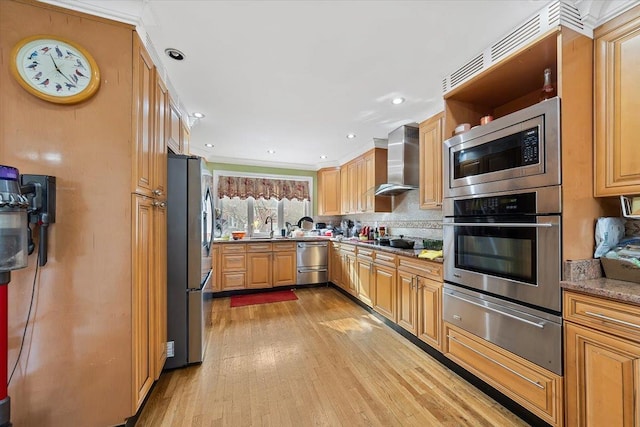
x=514, y=257
x=518, y=151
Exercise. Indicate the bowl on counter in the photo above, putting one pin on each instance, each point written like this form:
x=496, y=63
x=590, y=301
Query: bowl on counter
x=238, y=235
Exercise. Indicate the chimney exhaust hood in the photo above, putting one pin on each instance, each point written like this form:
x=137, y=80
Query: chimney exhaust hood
x=403, y=157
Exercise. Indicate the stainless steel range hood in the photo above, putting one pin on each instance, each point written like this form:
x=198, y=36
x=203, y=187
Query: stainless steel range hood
x=403, y=157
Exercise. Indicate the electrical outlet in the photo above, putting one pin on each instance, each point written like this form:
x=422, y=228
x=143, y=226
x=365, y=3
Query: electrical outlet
x=170, y=349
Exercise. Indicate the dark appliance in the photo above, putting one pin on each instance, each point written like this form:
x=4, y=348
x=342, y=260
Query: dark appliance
x=189, y=238
x=517, y=151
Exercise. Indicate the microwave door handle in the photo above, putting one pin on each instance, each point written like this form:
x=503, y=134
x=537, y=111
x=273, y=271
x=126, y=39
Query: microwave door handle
x=498, y=224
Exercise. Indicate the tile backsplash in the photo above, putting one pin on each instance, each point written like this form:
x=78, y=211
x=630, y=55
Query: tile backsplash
x=406, y=218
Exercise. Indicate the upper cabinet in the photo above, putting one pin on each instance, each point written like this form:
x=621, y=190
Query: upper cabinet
x=363, y=175
x=143, y=117
x=175, y=129
x=178, y=136
x=617, y=90
x=431, y=131
x=329, y=191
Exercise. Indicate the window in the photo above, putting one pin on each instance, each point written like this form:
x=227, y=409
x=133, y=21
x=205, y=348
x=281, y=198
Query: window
x=247, y=201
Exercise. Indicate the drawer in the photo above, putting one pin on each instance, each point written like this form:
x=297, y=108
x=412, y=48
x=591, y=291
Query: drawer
x=234, y=262
x=432, y=270
x=284, y=246
x=365, y=253
x=234, y=248
x=233, y=281
x=609, y=316
x=385, y=258
x=538, y=390
x=345, y=247
x=259, y=247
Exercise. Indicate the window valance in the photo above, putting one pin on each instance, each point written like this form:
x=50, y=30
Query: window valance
x=243, y=187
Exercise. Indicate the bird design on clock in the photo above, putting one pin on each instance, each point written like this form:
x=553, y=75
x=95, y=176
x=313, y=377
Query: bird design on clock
x=55, y=69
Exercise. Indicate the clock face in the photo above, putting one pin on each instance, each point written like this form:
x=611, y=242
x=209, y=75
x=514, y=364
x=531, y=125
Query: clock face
x=55, y=69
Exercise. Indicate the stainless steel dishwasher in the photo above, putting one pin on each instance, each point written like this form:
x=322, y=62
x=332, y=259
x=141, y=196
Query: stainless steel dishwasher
x=312, y=259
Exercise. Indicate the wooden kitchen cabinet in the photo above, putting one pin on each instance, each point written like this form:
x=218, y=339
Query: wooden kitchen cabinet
x=363, y=175
x=144, y=150
x=617, y=90
x=602, y=361
x=255, y=265
x=142, y=298
x=536, y=389
x=385, y=285
x=349, y=269
x=233, y=264
x=175, y=129
x=259, y=265
x=149, y=229
x=420, y=299
x=329, y=201
x=214, y=284
x=364, y=276
x=335, y=263
x=431, y=138
x=284, y=263
x=345, y=195
x=185, y=141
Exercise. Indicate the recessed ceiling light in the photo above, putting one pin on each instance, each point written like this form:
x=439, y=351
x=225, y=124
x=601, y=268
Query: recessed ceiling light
x=323, y=157
x=174, y=54
x=208, y=145
x=351, y=135
x=396, y=101
x=198, y=115
x=271, y=151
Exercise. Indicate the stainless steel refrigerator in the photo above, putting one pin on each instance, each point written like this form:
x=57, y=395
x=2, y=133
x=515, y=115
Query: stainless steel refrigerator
x=189, y=237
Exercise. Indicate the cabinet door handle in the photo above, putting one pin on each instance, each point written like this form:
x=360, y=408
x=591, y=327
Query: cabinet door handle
x=535, y=383
x=157, y=192
x=610, y=319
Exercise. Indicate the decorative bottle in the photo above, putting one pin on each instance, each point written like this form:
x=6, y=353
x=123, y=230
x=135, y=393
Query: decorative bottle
x=547, y=89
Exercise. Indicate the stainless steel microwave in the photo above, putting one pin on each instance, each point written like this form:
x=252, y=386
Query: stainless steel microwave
x=514, y=152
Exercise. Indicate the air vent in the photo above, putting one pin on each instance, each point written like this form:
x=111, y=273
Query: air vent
x=560, y=12
x=527, y=31
x=467, y=70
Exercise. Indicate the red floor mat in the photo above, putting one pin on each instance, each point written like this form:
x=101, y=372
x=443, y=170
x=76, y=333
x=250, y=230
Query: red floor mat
x=262, y=298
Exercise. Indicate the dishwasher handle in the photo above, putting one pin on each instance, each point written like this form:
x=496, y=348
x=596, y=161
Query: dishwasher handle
x=312, y=244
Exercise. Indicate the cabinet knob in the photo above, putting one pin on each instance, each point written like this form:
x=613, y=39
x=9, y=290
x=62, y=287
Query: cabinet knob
x=157, y=192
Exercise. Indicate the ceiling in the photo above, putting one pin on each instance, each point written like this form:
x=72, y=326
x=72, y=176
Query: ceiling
x=296, y=77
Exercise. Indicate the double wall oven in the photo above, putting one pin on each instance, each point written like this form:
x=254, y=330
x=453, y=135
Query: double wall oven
x=502, y=233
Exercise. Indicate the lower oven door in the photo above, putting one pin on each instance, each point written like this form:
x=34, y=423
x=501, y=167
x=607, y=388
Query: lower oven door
x=531, y=334
x=517, y=258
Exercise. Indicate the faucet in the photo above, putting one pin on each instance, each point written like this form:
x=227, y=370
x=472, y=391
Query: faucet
x=266, y=221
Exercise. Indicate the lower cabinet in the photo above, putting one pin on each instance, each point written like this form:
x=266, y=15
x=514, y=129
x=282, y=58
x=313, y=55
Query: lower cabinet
x=602, y=361
x=420, y=299
x=364, y=276
x=233, y=265
x=535, y=388
x=259, y=265
x=335, y=263
x=284, y=263
x=254, y=265
x=385, y=285
x=149, y=294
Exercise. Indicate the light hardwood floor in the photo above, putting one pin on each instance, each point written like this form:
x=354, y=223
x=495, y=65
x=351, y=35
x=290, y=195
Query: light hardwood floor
x=319, y=361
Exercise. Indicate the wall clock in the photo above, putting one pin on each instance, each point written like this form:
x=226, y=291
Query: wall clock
x=55, y=69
